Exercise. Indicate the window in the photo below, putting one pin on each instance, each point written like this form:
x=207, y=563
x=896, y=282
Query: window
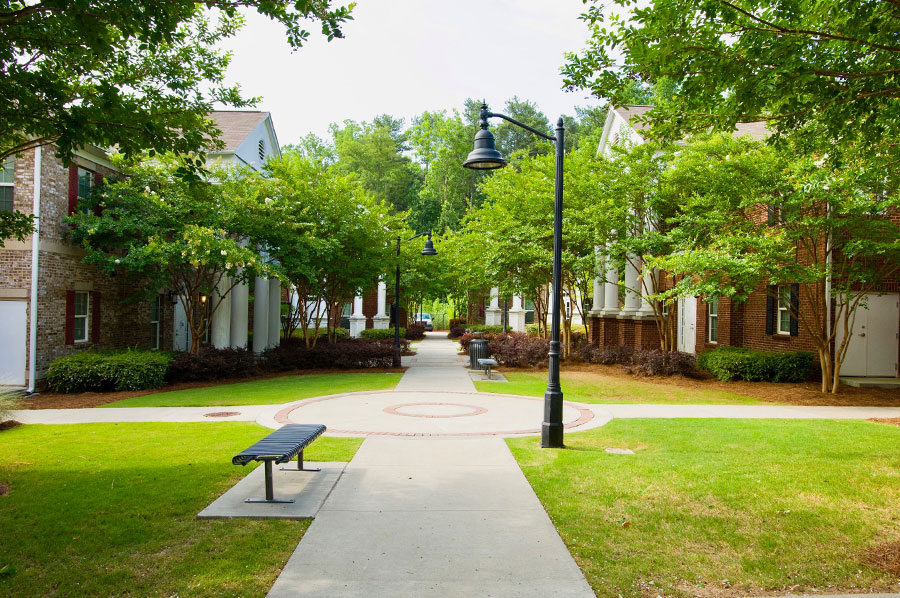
x=712, y=320
x=154, y=322
x=784, y=310
x=85, y=185
x=7, y=172
x=81, y=316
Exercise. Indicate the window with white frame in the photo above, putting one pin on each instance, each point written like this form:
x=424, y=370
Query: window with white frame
x=784, y=310
x=85, y=185
x=7, y=172
x=154, y=322
x=712, y=320
x=81, y=316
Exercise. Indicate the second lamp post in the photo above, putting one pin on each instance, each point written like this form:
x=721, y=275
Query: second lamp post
x=427, y=250
x=486, y=157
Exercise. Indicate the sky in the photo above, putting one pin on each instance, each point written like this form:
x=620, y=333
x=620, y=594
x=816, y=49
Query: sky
x=402, y=57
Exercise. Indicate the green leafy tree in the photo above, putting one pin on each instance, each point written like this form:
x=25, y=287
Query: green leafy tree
x=329, y=237
x=374, y=154
x=792, y=221
x=159, y=230
x=826, y=68
x=514, y=140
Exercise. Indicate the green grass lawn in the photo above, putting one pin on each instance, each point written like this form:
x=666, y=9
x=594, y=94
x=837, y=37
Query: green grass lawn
x=723, y=507
x=596, y=387
x=108, y=510
x=265, y=392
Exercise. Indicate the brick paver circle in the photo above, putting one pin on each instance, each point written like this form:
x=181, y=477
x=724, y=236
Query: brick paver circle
x=471, y=410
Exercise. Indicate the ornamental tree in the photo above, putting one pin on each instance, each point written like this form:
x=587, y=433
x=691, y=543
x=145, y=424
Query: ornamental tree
x=161, y=231
x=833, y=233
x=828, y=69
x=329, y=238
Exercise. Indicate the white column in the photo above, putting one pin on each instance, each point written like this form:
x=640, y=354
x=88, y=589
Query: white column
x=357, y=318
x=220, y=326
x=517, y=315
x=493, y=315
x=240, y=298
x=632, y=297
x=274, y=313
x=646, y=289
x=599, y=292
x=381, y=319
x=611, y=292
x=260, y=315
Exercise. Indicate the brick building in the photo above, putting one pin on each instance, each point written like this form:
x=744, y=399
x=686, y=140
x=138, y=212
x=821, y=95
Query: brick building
x=51, y=304
x=765, y=321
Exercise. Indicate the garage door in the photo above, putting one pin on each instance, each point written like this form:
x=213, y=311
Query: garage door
x=13, y=322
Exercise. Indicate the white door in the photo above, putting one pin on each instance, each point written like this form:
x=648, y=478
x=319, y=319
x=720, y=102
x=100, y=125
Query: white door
x=687, y=324
x=13, y=325
x=873, y=338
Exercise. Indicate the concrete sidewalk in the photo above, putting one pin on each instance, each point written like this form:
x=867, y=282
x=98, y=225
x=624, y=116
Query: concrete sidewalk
x=436, y=366
x=246, y=413
x=429, y=517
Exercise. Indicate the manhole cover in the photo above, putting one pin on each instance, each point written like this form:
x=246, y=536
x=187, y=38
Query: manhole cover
x=222, y=414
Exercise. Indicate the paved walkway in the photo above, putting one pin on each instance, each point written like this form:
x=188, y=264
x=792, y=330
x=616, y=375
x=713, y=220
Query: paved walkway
x=425, y=517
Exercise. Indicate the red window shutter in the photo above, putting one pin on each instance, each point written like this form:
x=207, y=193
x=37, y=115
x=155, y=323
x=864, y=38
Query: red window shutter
x=73, y=188
x=70, y=317
x=95, y=317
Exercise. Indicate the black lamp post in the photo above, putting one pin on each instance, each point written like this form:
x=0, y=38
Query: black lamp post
x=486, y=157
x=427, y=250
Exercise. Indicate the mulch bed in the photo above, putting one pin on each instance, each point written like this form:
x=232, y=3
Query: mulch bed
x=9, y=424
x=885, y=556
x=58, y=400
x=803, y=393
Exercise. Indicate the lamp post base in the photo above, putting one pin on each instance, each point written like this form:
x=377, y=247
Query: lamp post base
x=397, y=361
x=552, y=428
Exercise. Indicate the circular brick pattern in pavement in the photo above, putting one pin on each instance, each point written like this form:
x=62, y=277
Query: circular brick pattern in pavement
x=471, y=410
x=222, y=414
x=369, y=413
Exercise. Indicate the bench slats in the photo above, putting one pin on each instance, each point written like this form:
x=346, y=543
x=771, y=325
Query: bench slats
x=281, y=445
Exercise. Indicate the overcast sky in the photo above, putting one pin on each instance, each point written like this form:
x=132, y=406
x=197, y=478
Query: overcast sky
x=402, y=57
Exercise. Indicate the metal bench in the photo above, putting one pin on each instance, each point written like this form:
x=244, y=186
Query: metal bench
x=280, y=446
x=486, y=365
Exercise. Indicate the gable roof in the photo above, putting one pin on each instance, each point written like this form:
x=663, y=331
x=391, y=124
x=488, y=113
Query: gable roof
x=236, y=125
x=757, y=130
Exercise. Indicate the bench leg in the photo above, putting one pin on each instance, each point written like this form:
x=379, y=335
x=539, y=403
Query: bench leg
x=300, y=465
x=270, y=490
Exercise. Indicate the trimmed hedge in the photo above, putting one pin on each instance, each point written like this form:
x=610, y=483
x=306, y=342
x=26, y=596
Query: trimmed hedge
x=106, y=371
x=213, y=364
x=735, y=363
x=349, y=354
x=456, y=332
x=457, y=322
x=415, y=332
x=642, y=362
x=380, y=334
x=485, y=328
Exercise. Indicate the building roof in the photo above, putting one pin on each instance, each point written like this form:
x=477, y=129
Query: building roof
x=236, y=125
x=756, y=130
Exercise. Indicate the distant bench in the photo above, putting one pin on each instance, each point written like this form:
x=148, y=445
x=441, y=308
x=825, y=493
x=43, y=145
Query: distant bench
x=486, y=365
x=280, y=446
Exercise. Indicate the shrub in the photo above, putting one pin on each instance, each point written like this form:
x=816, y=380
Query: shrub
x=605, y=355
x=213, y=364
x=656, y=362
x=377, y=334
x=519, y=349
x=106, y=371
x=735, y=363
x=456, y=332
x=457, y=323
x=484, y=328
x=348, y=354
x=415, y=332
x=532, y=329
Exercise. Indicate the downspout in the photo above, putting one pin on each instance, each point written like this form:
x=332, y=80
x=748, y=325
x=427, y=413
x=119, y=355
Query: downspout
x=35, y=247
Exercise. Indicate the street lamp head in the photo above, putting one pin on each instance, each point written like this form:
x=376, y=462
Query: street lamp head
x=485, y=156
x=429, y=246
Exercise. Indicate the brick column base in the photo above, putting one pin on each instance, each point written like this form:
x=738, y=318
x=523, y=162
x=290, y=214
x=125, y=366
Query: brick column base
x=646, y=335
